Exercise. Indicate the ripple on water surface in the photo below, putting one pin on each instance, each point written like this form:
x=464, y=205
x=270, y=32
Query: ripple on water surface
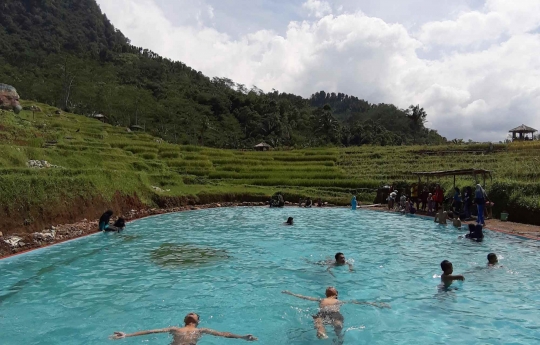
x=230, y=265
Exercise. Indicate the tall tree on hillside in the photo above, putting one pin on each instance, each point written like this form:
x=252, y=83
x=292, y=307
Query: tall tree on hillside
x=418, y=117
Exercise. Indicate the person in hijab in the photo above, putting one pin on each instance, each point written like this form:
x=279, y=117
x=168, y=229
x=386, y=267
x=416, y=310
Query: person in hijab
x=353, y=203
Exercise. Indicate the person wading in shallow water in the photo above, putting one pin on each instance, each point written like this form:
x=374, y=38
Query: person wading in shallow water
x=104, y=220
x=187, y=335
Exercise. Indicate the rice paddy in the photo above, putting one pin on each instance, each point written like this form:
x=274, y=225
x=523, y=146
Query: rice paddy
x=97, y=158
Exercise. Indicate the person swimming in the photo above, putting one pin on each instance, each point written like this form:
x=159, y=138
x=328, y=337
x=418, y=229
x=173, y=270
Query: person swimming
x=340, y=261
x=290, y=221
x=329, y=311
x=447, y=278
x=104, y=220
x=187, y=335
x=492, y=259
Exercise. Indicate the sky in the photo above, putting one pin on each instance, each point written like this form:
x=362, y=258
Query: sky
x=473, y=65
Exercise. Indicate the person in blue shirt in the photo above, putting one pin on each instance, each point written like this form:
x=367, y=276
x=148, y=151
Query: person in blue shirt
x=353, y=203
x=457, y=201
x=480, y=198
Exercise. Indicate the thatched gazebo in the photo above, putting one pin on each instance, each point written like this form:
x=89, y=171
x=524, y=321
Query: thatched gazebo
x=521, y=132
x=262, y=147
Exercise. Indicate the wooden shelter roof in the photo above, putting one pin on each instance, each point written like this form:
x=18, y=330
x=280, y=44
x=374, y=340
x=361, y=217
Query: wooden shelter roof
x=523, y=129
x=263, y=144
x=454, y=172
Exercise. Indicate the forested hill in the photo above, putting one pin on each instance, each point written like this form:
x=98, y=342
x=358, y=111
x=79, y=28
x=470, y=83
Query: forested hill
x=66, y=53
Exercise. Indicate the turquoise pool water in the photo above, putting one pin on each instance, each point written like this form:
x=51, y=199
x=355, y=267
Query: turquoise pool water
x=230, y=265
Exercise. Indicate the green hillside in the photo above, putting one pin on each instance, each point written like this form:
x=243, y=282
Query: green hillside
x=96, y=161
x=67, y=54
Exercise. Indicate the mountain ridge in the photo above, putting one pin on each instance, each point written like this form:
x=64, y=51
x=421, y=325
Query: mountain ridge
x=67, y=53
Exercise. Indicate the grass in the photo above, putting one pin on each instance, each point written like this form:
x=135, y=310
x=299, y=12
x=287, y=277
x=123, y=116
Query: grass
x=97, y=159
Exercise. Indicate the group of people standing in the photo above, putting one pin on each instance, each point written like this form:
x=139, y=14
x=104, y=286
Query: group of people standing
x=431, y=200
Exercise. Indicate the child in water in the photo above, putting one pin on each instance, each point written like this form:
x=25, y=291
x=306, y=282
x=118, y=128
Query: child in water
x=447, y=278
x=492, y=259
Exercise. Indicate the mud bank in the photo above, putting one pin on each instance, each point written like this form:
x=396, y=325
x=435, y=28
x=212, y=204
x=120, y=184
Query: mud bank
x=24, y=242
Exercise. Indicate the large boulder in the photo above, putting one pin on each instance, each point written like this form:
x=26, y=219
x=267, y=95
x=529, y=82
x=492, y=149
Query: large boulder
x=9, y=98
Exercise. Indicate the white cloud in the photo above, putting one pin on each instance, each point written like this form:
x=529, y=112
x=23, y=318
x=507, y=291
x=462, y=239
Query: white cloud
x=317, y=8
x=478, y=93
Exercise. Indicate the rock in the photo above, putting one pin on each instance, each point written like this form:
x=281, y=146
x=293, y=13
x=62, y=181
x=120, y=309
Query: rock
x=9, y=98
x=1, y=234
x=58, y=112
x=217, y=205
x=22, y=244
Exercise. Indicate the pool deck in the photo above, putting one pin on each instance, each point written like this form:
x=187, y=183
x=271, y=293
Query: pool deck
x=516, y=229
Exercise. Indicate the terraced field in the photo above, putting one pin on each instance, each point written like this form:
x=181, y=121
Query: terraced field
x=94, y=158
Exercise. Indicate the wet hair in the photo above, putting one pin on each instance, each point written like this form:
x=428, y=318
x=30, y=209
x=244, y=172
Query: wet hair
x=456, y=189
x=472, y=228
x=109, y=212
x=338, y=255
x=189, y=316
x=331, y=291
x=450, y=214
x=120, y=223
x=290, y=220
x=445, y=265
x=492, y=257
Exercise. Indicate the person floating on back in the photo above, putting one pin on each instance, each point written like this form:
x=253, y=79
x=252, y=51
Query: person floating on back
x=187, y=335
x=329, y=311
x=447, y=278
x=290, y=221
x=104, y=220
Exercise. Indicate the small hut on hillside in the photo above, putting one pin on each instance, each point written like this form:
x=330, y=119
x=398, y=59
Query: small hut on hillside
x=521, y=133
x=136, y=128
x=262, y=147
x=100, y=117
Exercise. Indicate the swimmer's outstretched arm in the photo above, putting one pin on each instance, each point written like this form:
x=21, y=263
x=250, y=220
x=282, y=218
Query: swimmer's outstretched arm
x=121, y=335
x=248, y=337
x=302, y=297
x=330, y=271
x=350, y=267
x=374, y=304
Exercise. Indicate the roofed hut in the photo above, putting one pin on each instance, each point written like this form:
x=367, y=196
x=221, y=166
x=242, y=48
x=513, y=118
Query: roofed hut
x=522, y=132
x=262, y=147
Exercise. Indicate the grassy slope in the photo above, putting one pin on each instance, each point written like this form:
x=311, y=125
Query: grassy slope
x=101, y=159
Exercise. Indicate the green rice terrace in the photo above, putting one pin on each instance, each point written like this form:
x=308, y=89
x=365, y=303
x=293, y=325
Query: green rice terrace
x=90, y=160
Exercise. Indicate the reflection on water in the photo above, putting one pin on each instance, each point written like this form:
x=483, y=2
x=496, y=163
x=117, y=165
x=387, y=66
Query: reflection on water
x=176, y=255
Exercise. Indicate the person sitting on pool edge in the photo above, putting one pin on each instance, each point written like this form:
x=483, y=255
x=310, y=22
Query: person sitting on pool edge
x=329, y=311
x=290, y=221
x=187, y=335
x=447, y=278
x=104, y=220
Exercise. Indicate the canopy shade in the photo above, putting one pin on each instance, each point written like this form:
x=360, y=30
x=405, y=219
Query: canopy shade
x=523, y=129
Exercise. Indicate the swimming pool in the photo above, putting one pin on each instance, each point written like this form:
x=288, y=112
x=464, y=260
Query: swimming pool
x=230, y=265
